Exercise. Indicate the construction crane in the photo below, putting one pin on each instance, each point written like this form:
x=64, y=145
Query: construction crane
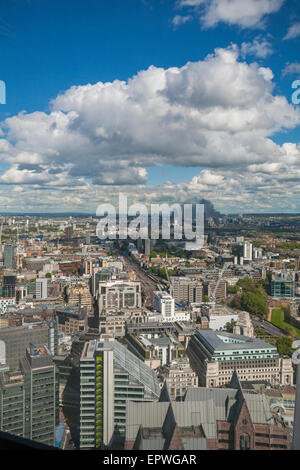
x=213, y=296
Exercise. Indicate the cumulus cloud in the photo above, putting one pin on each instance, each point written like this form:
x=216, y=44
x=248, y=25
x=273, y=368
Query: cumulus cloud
x=293, y=31
x=219, y=113
x=233, y=12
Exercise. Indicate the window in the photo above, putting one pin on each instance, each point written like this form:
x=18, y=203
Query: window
x=244, y=442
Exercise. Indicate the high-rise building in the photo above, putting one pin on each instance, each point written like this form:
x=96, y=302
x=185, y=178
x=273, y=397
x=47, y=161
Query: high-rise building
x=147, y=246
x=186, y=290
x=164, y=303
x=9, y=256
x=110, y=376
x=9, y=286
x=68, y=232
x=12, y=403
x=41, y=394
x=29, y=397
x=215, y=290
x=41, y=288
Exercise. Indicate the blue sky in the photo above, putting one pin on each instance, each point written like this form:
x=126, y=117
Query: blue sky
x=47, y=47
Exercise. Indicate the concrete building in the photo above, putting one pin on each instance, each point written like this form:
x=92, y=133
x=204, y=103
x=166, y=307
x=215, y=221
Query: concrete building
x=165, y=304
x=179, y=377
x=154, y=350
x=117, y=295
x=71, y=319
x=215, y=290
x=41, y=394
x=186, y=290
x=9, y=261
x=29, y=397
x=215, y=355
x=78, y=293
x=15, y=340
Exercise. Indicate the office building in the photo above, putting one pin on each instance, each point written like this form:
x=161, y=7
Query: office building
x=186, y=290
x=179, y=377
x=283, y=284
x=29, y=402
x=110, y=375
x=117, y=295
x=9, y=256
x=71, y=319
x=41, y=288
x=68, y=232
x=164, y=304
x=147, y=247
x=155, y=350
x=78, y=293
x=215, y=355
x=12, y=403
x=215, y=290
x=15, y=340
x=41, y=394
x=9, y=286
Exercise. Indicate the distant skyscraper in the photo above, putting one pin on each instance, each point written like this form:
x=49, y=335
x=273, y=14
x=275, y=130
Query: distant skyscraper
x=8, y=256
x=68, y=232
x=247, y=251
x=41, y=288
x=147, y=247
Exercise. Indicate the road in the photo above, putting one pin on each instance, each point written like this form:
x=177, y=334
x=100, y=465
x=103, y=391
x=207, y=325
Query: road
x=268, y=327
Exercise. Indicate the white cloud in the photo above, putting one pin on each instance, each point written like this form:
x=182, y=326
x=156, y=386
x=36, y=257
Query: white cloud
x=259, y=47
x=181, y=19
x=291, y=69
x=247, y=14
x=293, y=31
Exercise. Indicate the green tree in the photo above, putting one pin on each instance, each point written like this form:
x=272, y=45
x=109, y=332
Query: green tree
x=230, y=325
x=284, y=345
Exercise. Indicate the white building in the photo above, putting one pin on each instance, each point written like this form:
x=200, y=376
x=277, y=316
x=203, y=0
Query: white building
x=218, y=321
x=247, y=251
x=41, y=285
x=164, y=304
